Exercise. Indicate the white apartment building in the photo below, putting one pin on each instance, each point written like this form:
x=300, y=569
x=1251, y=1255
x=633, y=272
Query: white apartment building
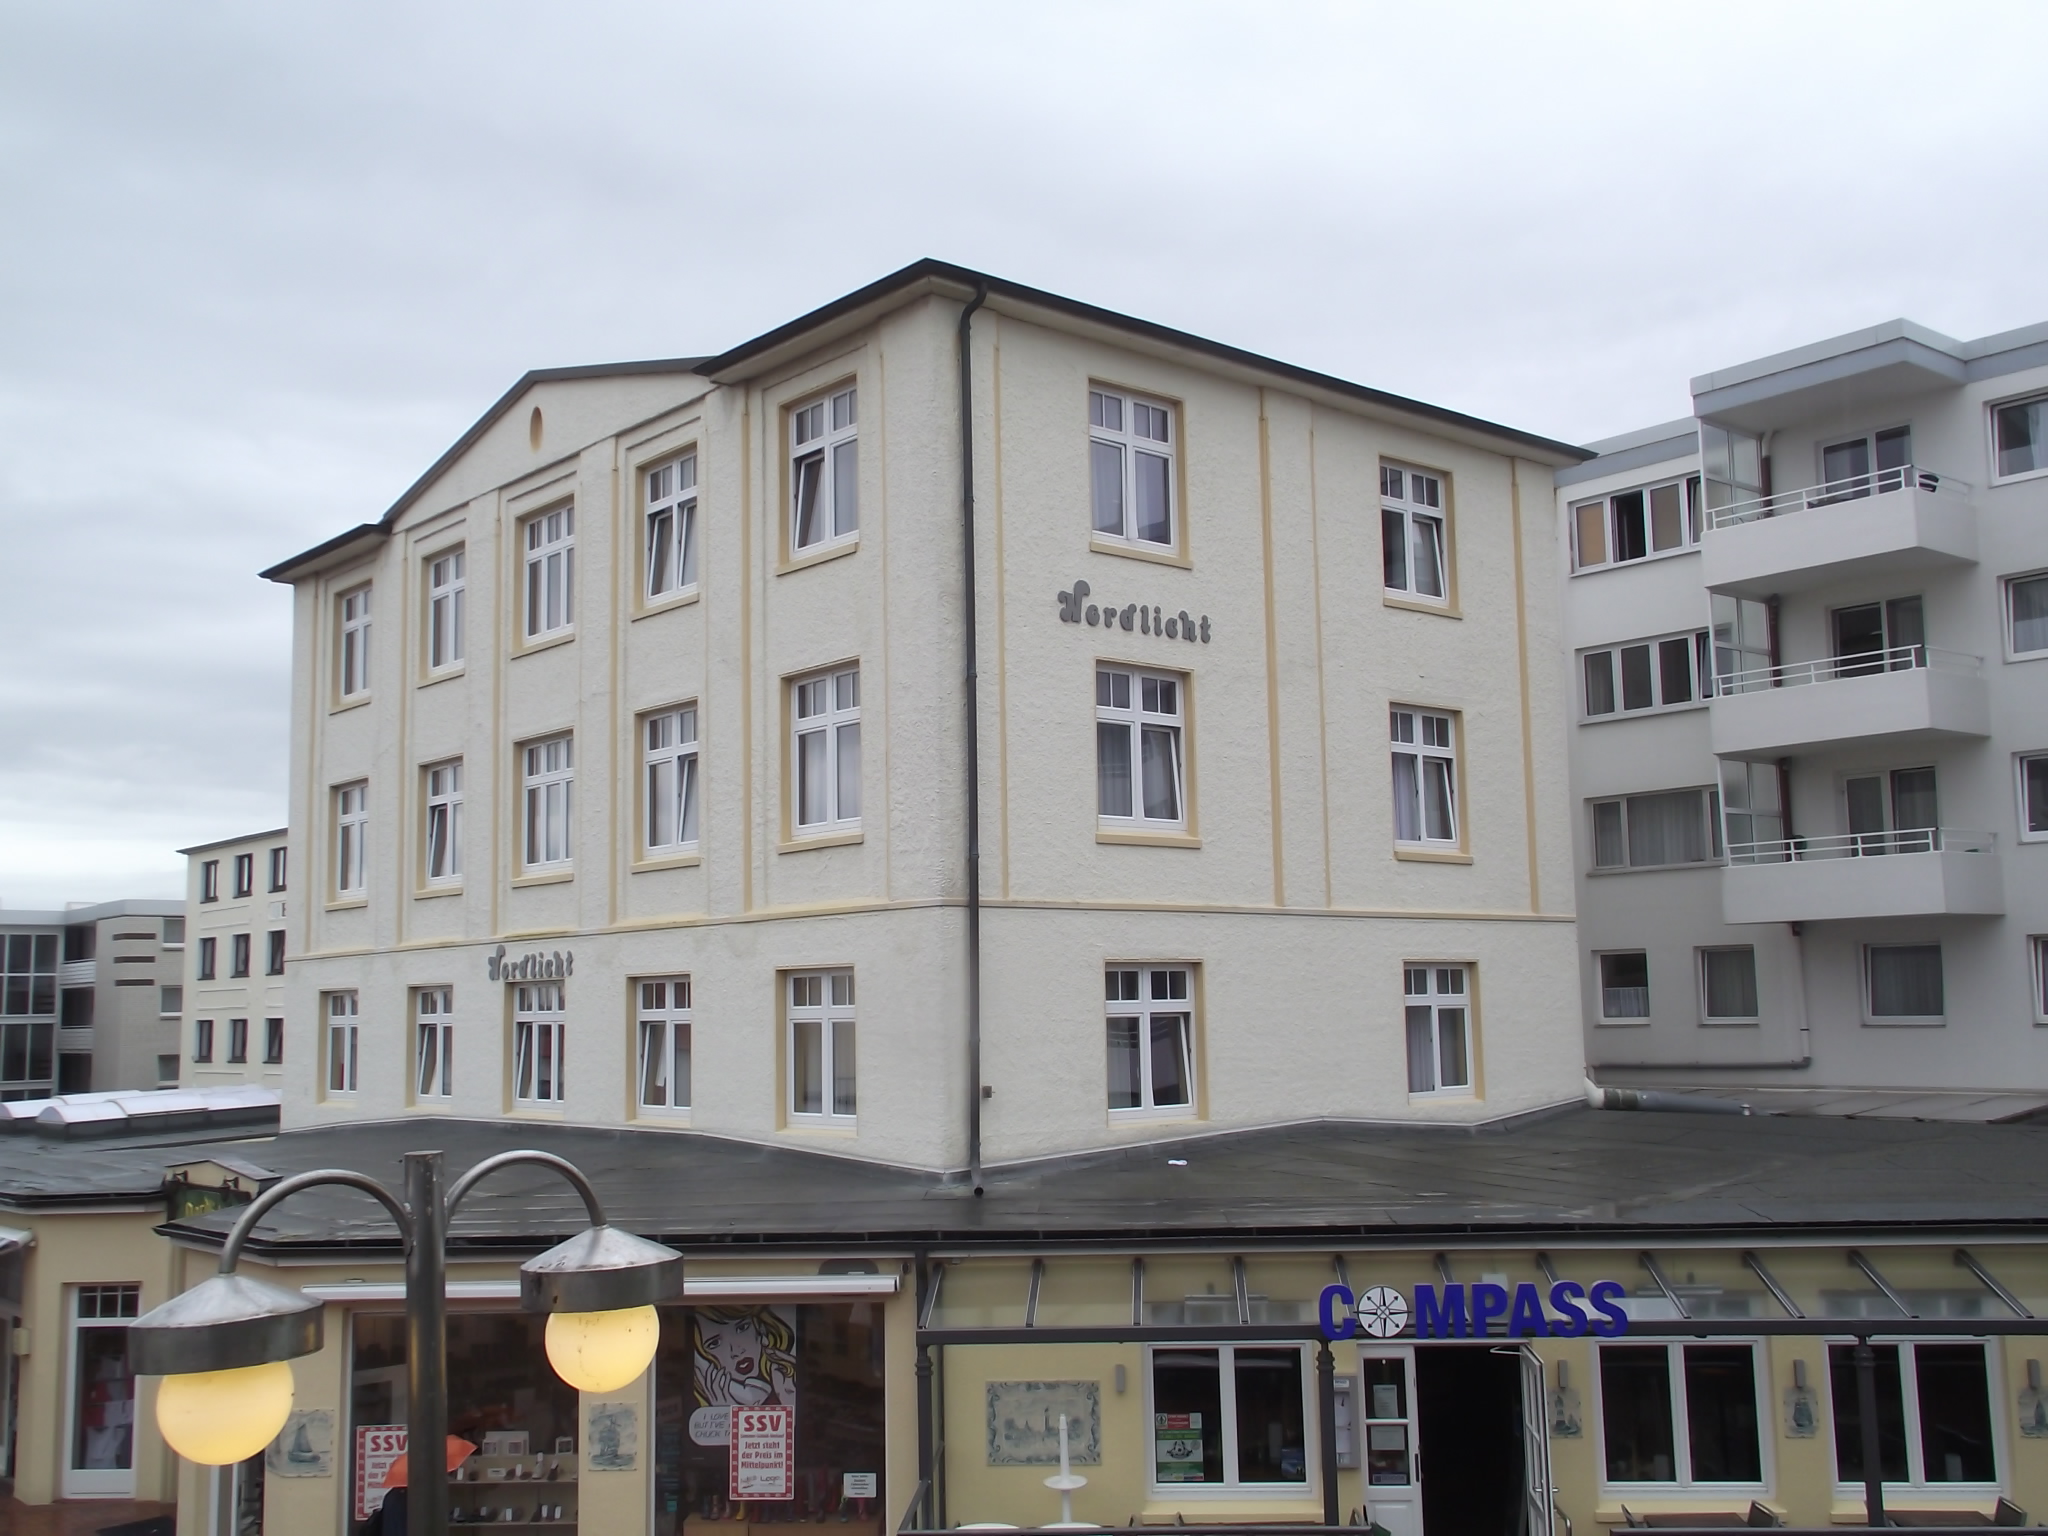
x=643, y=751
x=90, y=997
x=234, y=1009
x=1807, y=634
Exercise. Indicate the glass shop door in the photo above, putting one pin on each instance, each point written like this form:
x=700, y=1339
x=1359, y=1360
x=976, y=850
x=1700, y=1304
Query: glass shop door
x=1386, y=1419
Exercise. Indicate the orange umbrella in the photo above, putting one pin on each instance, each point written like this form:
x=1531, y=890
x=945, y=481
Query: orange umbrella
x=459, y=1451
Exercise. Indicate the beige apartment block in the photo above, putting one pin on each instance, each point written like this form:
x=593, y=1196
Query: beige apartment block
x=234, y=1014
x=633, y=777
x=90, y=997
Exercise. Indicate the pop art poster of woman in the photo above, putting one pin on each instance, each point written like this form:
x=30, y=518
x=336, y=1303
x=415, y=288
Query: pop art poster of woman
x=743, y=1356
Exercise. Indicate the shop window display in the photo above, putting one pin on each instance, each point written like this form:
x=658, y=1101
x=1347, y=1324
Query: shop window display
x=823, y=1362
x=503, y=1397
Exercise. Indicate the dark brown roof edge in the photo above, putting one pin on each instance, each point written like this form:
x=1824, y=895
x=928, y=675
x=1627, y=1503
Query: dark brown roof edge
x=930, y=269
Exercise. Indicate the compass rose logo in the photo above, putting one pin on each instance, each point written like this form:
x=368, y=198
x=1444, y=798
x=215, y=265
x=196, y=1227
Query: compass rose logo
x=1382, y=1311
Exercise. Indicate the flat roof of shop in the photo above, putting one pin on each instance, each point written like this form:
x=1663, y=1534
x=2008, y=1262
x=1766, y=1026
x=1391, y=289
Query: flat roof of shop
x=1573, y=1172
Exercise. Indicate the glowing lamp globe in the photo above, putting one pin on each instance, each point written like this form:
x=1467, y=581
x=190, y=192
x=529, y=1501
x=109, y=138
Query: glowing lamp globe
x=219, y=1417
x=602, y=1351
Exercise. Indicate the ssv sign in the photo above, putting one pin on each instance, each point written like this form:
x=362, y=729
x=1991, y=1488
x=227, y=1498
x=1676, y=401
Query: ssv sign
x=1469, y=1312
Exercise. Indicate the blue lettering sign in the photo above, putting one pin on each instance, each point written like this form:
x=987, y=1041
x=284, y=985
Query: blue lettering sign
x=1335, y=1311
x=1456, y=1311
x=1440, y=1319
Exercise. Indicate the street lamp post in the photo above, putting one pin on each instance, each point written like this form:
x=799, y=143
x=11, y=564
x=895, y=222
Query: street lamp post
x=222, y=1345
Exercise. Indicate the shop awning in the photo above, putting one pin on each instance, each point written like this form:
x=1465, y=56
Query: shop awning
x=695, y=1288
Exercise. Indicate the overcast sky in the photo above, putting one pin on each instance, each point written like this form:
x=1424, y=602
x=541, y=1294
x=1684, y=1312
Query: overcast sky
x=261, y=263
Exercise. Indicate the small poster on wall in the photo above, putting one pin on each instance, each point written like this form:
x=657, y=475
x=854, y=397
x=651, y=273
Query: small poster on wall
x=305, y=1446
x=740, y=1357
x=763, y=1461
x=1177, y=1447
x=377, y=1446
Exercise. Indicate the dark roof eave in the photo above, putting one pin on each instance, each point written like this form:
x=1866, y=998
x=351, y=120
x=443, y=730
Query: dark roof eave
x=728, y=364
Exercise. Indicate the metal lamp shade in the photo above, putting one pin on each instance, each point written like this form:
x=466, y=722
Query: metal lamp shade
x=601, y=1270
x=222, y=1324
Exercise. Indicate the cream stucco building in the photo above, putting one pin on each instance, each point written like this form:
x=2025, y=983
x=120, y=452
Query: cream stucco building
x=632, y=775
x=234, y=1020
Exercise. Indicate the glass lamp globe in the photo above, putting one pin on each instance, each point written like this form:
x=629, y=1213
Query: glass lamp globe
x=602, y=1351
x=219, y=1417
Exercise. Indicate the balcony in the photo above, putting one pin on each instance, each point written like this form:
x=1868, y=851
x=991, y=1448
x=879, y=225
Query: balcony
x=1908, y=693
x=1895, y=520
x=1913, y=872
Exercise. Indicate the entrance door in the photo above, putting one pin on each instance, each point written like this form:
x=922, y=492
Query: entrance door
x=1470, y=1439
x=1386, y=1415
x=1536, y=1444
x=1893, y=813
x=99, y=1459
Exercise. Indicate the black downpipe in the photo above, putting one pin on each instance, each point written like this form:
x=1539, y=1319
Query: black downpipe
x=1873, y=1454
x=973, y=740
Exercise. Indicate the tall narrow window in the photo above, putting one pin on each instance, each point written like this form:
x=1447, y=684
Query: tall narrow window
x=209, y=950
x=238, y=1042
x=821, y=1048
x=354, y=649
x=277, y=863
x=550, y=775
x=2026, y=603
x=1151, y=1039
x=670, y=745
x=1439, y=1020
x=434, y=1043
x=444, y=823
x=1130, y=467
x=351, y=839
x=102, y=1430
x=202, y=1040
x=550, y=573
x=1412, y=533
x=447, y=596
x=209, y=880
x=1425, y=778
x=1742, y=645
x=826, y=750
x=672, y=527
x=343, y=1056
x=665, y=1043
x=238, y=954
x=539, y=1047
x=1728, y=985
x=1752, y=810
x=273, y=1042
x=245, y=875
x=1140, y=777
x=824, y=472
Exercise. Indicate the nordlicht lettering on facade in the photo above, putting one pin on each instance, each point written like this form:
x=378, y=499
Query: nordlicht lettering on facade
x=1076, y=609
x=550, y=965
x=1457, y=1311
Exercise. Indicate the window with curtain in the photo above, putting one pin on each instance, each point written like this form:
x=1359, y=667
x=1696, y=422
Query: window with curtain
x=825, y=748
x=434, y=1043
x=1904, y=981
x=1150, y=1021
x=2020, y=434
x=1625, y=985
x=2026, y=606
x=1728, y=984
x=1656, y=831
x=447, y=597
x=824, y=472
x=1130, y=468
x=1636, y=524
x=1425, y=768
x=672, y=527
x=1412, y=544
x=821, y=1048
x=669, y=741
x=1438, y=1016
x=664, y=1010
x=1140, y=774
x=550, y=781
x=550, y=539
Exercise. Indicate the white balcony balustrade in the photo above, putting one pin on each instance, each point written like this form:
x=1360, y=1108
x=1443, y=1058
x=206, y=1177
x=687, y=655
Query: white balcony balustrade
x=1902, y=872
x=1902, y=519
x=1907, y=693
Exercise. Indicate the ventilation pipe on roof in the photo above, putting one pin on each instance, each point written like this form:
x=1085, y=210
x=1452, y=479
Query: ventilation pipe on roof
x=967, y=628
x=1676, y=1103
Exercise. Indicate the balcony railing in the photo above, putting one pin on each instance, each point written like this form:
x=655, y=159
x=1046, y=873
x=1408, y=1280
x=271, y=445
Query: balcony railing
x=1836, y=492
x=1829, y=669
x=1863, y=845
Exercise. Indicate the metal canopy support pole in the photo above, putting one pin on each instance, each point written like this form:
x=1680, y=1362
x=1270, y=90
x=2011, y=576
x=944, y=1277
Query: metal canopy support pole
x=426, y=1348
x=928, y=1293
x=1326, y=1407
x=1968, y=1261
x=1866, y=1407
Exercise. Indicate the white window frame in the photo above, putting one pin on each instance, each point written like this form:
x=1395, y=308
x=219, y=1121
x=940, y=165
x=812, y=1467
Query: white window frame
x=447, y=602
x=1875, y=1020
x=1413, y=499
x=352, y=643
x=2037, y=953
x=91, y=1482
x=441, y=838
x=668, y=529
x=2005, y=591
x=816, y=999
x=433, y=1044
x=671, y=813
x=547, y=542
x=1600, y=959
x=1423, y=736
x=1707, y=1015
x=351, y=839
x=547, y=822
x=1711, y=809
x=1140, y=1005
x=1991, y=410
x=1692, y=512
x=539, y=1045
x=825, y=430
x=1682, y=1481
x=1130, y=425
x=2020, y=762
x=1136, y=703
x=341, y=1053
x=663, y=1011
x=1231, y=1486
x=1698, y=649
x=1909, y=1390
x=826, y=724
x=1445, y=988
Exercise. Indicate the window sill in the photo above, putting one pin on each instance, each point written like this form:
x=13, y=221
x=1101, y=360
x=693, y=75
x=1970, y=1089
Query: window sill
x=1731, y=1023
x=1178, y=1114
x=445, y=675
x=1097, y=544
x=668, y=603
x=339, y=904
x=817, y=555
x=1645, y=714
x=543, y=643
x=1146, y=839
x=654, y=1114
x=666, y=861
x=822, y=840
x=546, y=877
x=1637, y=564
x=522, y=1110
x=1448, y=1096
x=1606, y=1023
x=1870, y=1023
x=844, y=1130
x=430, y=892
x=354, y=701
x=431, y=1106
x=1431, y=855
x=1414, y=605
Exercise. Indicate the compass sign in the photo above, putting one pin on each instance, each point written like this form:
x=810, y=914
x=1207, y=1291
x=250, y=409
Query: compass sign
x=1457, y=1311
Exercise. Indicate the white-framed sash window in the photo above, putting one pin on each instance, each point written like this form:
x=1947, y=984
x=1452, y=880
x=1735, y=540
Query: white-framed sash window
x=664, y=1013
x=1676, y=1416
x=99, y=1456
x=825, y=750
x=1149, y=1016
x=1229, y=1416
x=1437, y=1016
x=447, y=598
x=353, y=659
x=1651, y=675
x=824, y=472
x=1680, y=826
x=1130, y=468
x=1425, y=767
x=1140, y=764
x=1728, y=992
x=1637, y=524
x=1936, y=1414
x=671, y=527
x=550, y=546
x=1413, y=552
x=1903, y=984
x=351, y=838
x=2019, y=437
x=444, y=822
x=549, y=772
x=344, y=1046
x=433, y=1043
x=821, y=1047
x=539, y=1045
x=669, y=753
